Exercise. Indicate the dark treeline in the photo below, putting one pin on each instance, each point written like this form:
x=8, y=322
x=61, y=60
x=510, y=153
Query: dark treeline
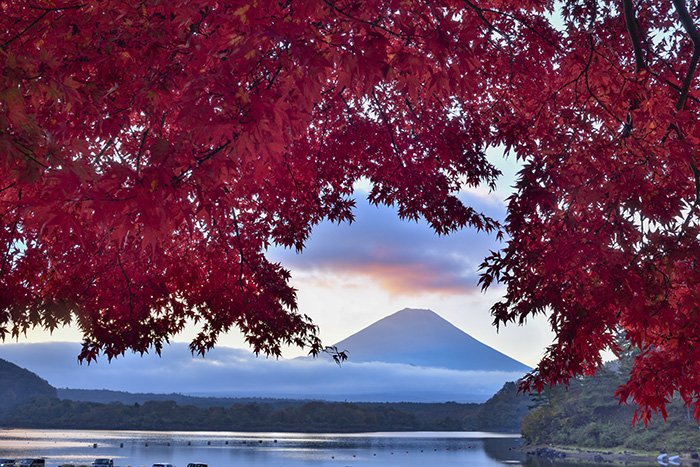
x=313, y=416
x=30, y=402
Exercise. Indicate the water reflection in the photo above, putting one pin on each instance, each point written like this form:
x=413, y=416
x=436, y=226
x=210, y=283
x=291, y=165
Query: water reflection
x=137, y=448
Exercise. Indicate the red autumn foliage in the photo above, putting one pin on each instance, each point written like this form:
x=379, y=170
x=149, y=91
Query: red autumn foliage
x=151, y=151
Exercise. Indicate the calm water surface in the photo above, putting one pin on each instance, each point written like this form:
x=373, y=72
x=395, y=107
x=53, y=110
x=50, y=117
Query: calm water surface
x=222, y=449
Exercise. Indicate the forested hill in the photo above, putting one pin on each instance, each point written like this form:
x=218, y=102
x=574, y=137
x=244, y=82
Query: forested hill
x=30, y=402
x=505, y=410
x=18, y=386
x=588, y=415
x=501, y=413
x=304, y=416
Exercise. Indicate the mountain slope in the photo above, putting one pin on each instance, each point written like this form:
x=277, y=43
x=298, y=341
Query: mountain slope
x=423, y=338
x=18, y=386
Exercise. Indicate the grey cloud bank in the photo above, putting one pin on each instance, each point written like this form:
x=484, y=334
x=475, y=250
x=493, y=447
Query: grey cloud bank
x=238, y=373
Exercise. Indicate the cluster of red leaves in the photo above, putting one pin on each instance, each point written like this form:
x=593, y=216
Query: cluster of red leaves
x=603, y=226
x=151, y=151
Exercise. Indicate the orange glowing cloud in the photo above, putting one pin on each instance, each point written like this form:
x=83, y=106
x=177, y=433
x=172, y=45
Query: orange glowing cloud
x=401, y=257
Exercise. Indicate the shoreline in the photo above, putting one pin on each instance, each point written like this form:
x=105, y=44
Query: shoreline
x=609, y=456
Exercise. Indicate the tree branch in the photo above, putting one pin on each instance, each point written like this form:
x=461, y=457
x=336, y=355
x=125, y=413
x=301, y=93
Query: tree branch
x=6, y=255
x=8, y=187
x=635, y=35
x=128, y=287
x=374, y=24
x=685, y=90
x=689, y=26
x=201, y=160
x=241, y=260
x=21, y=33
x=389, y=128
x=141, y=145
x=45, y=11
x=692, y=31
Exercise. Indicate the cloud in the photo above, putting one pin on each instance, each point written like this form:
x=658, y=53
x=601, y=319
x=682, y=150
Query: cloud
x=238, y=373
x=403, y=257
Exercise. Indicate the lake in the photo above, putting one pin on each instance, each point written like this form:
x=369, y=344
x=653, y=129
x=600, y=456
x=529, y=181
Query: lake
x=224, y=449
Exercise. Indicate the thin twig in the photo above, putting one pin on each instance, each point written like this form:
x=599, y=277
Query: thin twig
x=141, y=145
x=389, y=128
x=45, y=11
x=21, y=33
x=128, y=287
x=374, y=24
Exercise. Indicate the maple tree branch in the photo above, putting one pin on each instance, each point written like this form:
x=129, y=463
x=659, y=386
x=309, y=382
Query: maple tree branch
x=633, y=30
x=212, y=153
x=45, y=11
x=575, y=80
x=410, y=107
x=696, y=203
x=588, y=84
x=480, y=12
x=128, y=287
x=389, y=128
x=666, y=80
x=201, y=160
x=8, y=187
x=374, y=24
x=59, y=8
x=489, y=25
x=28, y=153
x=347, y=105
x=689, y=26
x=104, y=150
x=696, y=176
x=12, y=234
x=23, y=31
x=685, y=89
x=90, y=283
x=141, y=145
x=291, y=173
x=687, y=21
x=272, y=80
x=242, y=259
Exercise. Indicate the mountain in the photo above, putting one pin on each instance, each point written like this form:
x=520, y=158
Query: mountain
x=411, y=356
x=18, y=386
x=423, y=338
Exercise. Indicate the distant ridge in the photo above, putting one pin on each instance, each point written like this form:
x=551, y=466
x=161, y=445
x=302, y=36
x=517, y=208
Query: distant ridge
x=423, y=338
x=106, y=396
